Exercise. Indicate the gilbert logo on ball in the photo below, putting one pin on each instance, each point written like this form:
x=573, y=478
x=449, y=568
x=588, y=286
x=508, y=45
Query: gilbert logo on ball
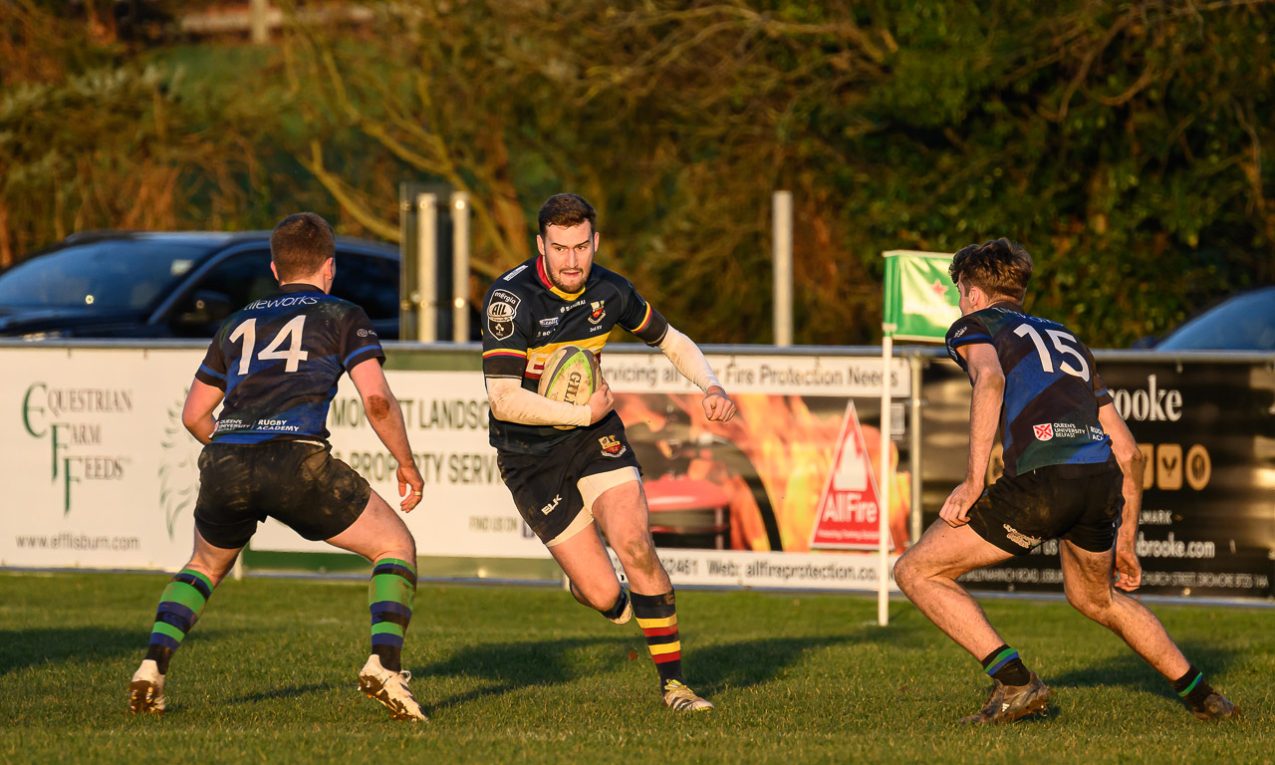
x=570, y=374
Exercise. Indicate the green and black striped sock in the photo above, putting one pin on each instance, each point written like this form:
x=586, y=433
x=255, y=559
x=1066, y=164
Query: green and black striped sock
x=179, y=607
x=389, y=598
x=1192, y=687
x=1004, y=665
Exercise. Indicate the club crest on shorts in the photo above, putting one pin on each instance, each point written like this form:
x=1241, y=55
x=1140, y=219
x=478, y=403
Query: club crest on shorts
x=598, y=311
x=501, y=312
x=1019, y=538
x=1044, y=431
x=612, y=446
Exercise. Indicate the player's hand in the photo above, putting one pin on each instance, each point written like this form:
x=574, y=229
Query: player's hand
x=601, y=402
x=717, y=405
x=1128, y=568
x=411, y=487
x=956, y=507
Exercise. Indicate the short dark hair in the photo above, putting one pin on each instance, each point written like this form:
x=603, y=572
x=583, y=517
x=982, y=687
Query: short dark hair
x=999, y=267
x=567, y=210
x=300, y=243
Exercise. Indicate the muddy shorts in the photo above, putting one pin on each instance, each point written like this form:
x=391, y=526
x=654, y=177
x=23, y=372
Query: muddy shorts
x=298, y=483
x=1079, y=503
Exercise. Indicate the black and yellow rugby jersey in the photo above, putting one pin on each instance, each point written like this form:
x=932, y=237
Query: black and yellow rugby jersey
x=526, y=319
x=1052, y=388
x=279, y=359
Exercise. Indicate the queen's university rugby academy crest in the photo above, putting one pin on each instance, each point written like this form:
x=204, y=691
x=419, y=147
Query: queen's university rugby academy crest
x=611, y=446
x=501, y=312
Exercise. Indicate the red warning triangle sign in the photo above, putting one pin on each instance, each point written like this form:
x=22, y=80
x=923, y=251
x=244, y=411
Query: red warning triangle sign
x=847, y=514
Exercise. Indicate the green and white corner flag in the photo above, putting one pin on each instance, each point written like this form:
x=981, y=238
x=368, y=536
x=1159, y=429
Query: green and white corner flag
x=920, y=299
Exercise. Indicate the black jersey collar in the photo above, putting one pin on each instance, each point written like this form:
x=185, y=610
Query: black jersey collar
x=543, y=275
x=298, y=287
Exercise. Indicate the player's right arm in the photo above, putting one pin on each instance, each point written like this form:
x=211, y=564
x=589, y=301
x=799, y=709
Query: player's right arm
x=197, y=412
x=505, y=362
x=386, y=419
x=1132, y=464
x=988, y=378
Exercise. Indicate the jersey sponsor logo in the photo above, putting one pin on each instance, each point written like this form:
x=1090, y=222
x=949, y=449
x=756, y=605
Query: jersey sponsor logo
x=285, y=302
x=1019, y=538
x=501, y=312
x=570, y=306
x=598, y=311
x=1044, y=431
x=612, y=446
x=552, y=321
x=366, y=333
x=509, y=277
x=959, y=332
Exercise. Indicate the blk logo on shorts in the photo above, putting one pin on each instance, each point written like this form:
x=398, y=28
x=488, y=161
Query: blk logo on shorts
x=612, y=446
x=1044, y=431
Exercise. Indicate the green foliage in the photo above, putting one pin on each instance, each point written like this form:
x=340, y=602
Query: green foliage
x=1121, y=143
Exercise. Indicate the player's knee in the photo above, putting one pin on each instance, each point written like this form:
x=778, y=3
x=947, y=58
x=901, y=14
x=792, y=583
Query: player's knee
x=1092, y=605
x=905, y=573
x=639, y=552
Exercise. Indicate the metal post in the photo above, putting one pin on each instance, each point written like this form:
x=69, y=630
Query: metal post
x=883, y=488
x=782, y=246
x=427, y=268
x=259, y=10
x=915, y=450
x=460, y=266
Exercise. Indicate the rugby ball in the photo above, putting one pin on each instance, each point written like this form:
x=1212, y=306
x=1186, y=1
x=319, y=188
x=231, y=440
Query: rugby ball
x=571, y=374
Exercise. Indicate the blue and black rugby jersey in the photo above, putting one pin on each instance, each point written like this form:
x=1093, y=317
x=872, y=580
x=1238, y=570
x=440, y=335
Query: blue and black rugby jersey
x=526, y=319
x=279, y=358
x=1052, y=388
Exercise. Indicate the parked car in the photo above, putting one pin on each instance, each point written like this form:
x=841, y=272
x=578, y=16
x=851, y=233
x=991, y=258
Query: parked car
x=172, y=284
x=1244, y=322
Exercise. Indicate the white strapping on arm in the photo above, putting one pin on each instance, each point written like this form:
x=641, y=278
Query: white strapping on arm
x=513, y=403
x=688, y=358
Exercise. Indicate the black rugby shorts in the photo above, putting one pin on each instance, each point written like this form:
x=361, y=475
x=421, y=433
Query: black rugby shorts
x=298, y=483
x=1079, y=503
x=544, y=486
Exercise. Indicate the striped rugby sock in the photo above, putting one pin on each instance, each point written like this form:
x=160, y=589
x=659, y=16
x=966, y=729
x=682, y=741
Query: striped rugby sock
x=389, y=598
x=657, y=616
x=180, y=604
x=1192, y=687
x=1003, y=664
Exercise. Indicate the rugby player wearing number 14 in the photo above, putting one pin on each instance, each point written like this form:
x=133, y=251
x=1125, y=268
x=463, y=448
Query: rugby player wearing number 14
x=275, y=363
x=562, y=480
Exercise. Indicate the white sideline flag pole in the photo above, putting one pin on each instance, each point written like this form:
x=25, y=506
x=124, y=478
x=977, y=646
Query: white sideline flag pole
x=883, y=485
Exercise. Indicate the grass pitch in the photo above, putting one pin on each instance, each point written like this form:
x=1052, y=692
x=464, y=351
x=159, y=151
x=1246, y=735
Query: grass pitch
x=512, y=674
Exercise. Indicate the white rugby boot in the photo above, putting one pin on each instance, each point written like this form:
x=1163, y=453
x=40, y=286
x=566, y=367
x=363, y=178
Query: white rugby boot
x=679, y=698
x=146, y=690
x=390, y=689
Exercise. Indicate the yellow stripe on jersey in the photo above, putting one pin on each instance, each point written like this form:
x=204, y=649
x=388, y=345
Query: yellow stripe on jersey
x=536, y=357
x=505, y=352
x=646, y=319
x=663, y=621
x=660, y=650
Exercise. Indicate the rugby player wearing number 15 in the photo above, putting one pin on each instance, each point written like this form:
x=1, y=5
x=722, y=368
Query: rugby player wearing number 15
x=564, y=479
x=1072, y=472
x=276, y=363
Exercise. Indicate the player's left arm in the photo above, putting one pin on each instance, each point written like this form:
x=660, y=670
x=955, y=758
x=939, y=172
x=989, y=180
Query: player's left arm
x=1132, y=464
x=652, y=328
x=197, y=412
x=985, y=408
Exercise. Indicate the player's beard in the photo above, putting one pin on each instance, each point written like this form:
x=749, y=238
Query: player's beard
x=584, y=278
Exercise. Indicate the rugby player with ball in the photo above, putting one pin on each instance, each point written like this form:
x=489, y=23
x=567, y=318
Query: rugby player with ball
x=561, y=448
